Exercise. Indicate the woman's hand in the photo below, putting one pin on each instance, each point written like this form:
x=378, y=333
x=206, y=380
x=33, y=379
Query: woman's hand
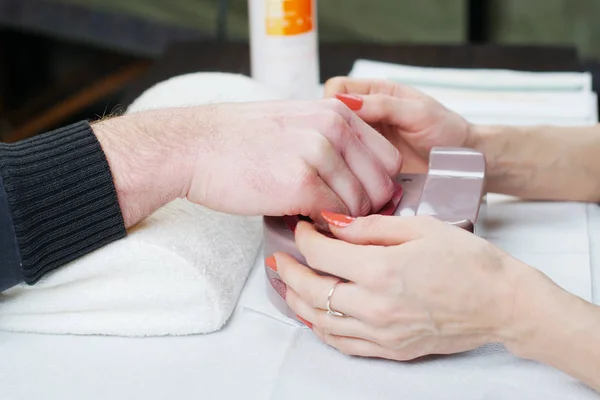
x=289, y=158
x=415, y=286
x=411, y=120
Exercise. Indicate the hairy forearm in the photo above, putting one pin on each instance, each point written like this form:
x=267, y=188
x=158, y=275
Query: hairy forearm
x=557, y=328
x=543, y=163
x=151, y=157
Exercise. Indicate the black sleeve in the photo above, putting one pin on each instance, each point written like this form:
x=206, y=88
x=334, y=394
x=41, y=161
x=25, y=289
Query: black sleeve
x=57, y=203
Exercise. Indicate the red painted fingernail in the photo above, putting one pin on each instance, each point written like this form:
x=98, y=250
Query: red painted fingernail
x=271, y=263
x=353, y=102
x=305, y=322
x=339, y=220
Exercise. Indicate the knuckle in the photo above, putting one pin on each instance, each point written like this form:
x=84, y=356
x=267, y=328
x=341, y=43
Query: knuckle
x=306, y=181
x=336, y=128
x=397, y=160
x=334, y=84
x=364, y=205
x=380, y=100
x=320, y=147
x=387, y=186
x=377, y=273
x=328, y=105
x=308, y=177
x=335, y=105
x=381, y=314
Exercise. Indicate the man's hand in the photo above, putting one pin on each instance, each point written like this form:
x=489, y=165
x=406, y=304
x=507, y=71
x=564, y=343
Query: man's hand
x=411, y=120
x=271, y=158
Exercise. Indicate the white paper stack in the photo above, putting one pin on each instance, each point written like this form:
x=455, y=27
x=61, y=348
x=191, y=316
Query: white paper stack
x=498, y=96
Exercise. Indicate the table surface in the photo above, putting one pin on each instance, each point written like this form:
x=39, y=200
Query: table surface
x=337, y=59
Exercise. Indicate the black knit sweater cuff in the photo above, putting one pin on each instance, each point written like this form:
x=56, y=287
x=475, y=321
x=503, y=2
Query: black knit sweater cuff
x=62, y=198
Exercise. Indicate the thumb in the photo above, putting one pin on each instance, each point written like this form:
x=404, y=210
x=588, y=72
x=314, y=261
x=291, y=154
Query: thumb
x=376, y=229
x=381, y=108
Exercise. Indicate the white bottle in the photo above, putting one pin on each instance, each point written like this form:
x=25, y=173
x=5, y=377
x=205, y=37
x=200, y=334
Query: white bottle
x=284, y=46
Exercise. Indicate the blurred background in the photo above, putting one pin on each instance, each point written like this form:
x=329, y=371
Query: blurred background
x=63, y=60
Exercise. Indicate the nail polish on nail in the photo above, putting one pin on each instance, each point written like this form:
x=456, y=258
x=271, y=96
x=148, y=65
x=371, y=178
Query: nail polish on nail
x=271, y=263
x=353, y=102
x=305, y=322
x=279, y=287
x=339, y=220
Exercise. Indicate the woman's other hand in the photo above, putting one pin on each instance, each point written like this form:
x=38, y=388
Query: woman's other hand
x=415, y=286
x=411, y=120
x=291, y=158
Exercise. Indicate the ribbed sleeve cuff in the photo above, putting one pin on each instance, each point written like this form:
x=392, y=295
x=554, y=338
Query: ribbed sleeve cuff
x=62, y=198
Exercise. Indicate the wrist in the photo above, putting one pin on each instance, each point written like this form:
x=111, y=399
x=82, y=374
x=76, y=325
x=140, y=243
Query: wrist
x=535, y=307
x=492, y=141
x=512, y=159
x=556, y=328
x=151, y=157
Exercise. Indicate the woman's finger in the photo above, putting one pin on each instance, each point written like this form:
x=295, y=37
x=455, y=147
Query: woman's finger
x=360, y=86
x=357, y=264
x=313, y=288
x=381, y=108
x=353, y=346
x=379, y=229
x=365, y=348
x=348, y=325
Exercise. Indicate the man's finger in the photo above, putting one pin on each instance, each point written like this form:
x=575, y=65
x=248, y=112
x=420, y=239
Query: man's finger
x=328, y=160
x=310, y=201
x=379, y=148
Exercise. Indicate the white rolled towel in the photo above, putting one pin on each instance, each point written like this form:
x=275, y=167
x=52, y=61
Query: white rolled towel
x=179, y=272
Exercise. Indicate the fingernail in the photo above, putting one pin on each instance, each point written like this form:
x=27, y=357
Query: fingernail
x=271, y=263
x=353, y=102
x=339, y=220
x=279, y=287
x=305, y=322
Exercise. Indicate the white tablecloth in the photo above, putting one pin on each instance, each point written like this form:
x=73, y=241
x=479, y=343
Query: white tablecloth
x=260, y=355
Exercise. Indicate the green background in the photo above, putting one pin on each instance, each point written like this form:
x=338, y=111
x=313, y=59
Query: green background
x=439, y=21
